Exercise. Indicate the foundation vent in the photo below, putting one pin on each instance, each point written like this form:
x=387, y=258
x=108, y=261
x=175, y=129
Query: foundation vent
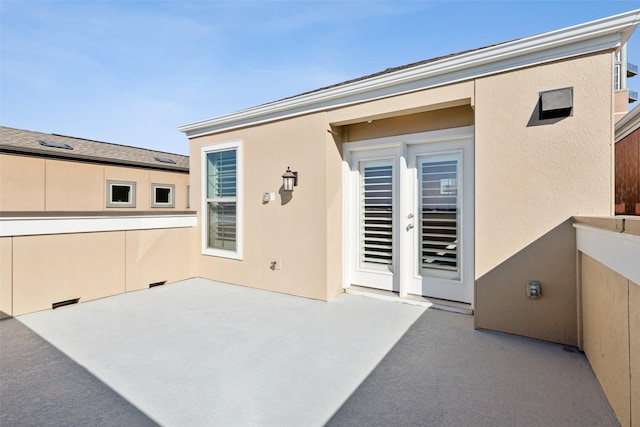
x=63, y=303
x=153, y=285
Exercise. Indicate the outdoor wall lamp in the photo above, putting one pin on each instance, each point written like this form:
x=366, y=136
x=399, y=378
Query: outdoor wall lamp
x=289, y=180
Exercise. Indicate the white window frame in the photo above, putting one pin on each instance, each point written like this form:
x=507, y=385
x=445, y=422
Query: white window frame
x=154, y=202
x=204, y=220
x=132, y=194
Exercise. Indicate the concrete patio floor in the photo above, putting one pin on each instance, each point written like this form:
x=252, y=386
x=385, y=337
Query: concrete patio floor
x=198, y=353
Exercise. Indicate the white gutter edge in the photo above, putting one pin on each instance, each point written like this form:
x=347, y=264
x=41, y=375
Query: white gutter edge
x=562, y=41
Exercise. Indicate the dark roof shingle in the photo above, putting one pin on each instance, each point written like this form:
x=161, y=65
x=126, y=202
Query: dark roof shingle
x=29, y=142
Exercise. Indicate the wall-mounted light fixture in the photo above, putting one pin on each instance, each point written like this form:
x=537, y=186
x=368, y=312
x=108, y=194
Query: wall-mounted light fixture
x=289, y=179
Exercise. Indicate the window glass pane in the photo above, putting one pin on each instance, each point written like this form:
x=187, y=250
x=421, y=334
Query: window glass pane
x=439, y=200
x=221, y=174
x=120, y=193
x=222, y=225
x=163, y=195
x=221, y=195
x=376, y=213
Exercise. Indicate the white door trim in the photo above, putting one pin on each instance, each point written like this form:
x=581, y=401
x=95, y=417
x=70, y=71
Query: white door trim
x=445, y=140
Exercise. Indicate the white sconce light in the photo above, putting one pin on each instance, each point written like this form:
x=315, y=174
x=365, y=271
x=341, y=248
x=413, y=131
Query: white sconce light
x=289, y=179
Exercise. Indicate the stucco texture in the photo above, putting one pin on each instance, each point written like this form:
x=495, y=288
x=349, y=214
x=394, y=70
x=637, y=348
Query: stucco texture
x=6, y=277
x=531, y=176
x=611, y=335
x=29, y=184
x=291, y=230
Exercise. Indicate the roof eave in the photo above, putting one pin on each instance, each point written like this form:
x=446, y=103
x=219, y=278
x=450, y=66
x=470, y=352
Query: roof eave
x=11, y=149
x=606, y=33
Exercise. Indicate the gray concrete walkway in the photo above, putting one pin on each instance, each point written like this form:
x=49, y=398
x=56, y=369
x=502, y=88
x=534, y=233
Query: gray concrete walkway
x=204, y=353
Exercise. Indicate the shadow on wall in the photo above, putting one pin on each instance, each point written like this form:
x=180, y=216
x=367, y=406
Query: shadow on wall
x=535, y=119
x=501, y=303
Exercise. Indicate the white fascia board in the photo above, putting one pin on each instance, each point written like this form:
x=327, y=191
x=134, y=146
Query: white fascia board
x=33, y=226
x=607, y=33
x=618, y=251
x=629, y=123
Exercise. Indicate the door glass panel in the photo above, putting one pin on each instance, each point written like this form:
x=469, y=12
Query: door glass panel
x=439, y=216
x=376, y=215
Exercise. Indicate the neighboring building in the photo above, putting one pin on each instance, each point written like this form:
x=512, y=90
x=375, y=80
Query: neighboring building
x=454, y=178
x=627, y=154
x=82, y=219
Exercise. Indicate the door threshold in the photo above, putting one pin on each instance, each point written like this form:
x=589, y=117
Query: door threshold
x=438, y=304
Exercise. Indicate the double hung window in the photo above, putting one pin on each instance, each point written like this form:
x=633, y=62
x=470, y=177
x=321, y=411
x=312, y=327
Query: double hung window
x=222, y=229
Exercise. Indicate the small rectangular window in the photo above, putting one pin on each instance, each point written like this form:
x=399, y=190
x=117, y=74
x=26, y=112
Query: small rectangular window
x=121, y=194
x=162, y=195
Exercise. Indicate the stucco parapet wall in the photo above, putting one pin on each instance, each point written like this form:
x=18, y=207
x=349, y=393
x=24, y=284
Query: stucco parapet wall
x=32, y=225
x=595, y=36
x=617, y=224
x=612, y=241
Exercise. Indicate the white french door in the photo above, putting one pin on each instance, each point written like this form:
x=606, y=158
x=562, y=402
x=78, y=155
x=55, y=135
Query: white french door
x=409, y=214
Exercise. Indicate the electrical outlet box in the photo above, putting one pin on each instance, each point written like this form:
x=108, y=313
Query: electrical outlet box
x=533, y=289
x=275, y=263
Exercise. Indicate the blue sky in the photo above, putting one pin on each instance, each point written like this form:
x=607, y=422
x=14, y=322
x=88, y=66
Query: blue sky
x=131, y=72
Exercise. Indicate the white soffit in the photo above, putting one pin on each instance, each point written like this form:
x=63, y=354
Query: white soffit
x=606, y=33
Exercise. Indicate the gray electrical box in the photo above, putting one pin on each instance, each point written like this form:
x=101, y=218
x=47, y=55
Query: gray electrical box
x=533, y=289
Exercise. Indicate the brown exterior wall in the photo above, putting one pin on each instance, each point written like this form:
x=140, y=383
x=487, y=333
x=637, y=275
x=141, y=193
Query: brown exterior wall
x=29, y=184
x=628, y=174
x=611, y=336
x=531, y=177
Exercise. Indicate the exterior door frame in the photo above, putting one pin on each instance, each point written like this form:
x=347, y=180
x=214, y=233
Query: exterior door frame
x=454, y=139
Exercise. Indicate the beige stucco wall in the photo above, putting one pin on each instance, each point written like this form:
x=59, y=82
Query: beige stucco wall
x=73, y=186
x=154, y=256
x=50, y=269
x=34, y=184
x=305, y=232
x=634, y=349
x=611, y=335
x=530, y=178
x=446, y=118
x=21, y=183
x=38, y=271
x=621, y=104
x=292, y=229
x=6, y=275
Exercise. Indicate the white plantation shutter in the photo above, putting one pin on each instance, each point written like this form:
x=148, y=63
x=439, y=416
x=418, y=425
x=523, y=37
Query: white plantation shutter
x=376, y=214
x=439, y=216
